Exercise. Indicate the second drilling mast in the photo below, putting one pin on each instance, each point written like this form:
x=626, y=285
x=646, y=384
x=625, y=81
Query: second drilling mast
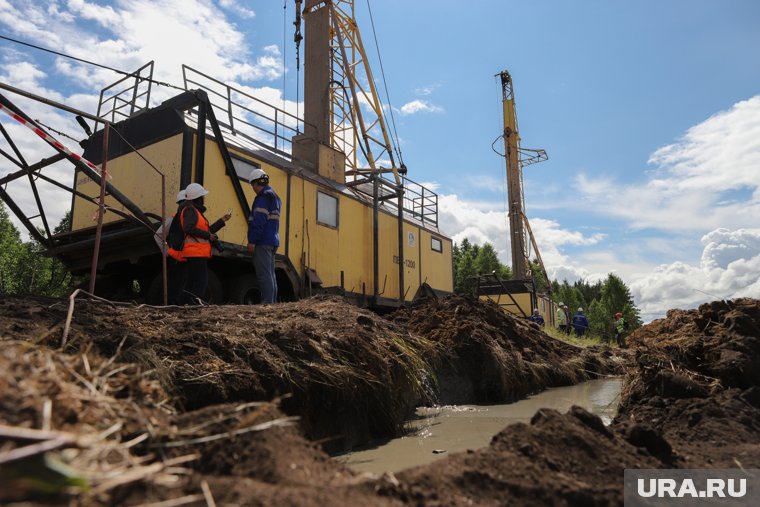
x=516, y=158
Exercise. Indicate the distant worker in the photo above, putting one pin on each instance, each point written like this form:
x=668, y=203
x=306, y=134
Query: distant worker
x=264, y=234
x=197, y=242
x=569, y=327
x=176, y=264
x=537, y=318
x=580, y=323
x=620, y=327
x=561, y=318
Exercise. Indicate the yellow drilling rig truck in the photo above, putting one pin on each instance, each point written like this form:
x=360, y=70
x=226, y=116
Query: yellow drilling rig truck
x=351, y=222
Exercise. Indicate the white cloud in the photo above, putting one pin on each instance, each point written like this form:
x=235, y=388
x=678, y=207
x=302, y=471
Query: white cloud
x=687, y=189
x=137, y=31
x=729, y=268
x=238, y=9
x=482, y=222
x=426, y=90
x=420, y=106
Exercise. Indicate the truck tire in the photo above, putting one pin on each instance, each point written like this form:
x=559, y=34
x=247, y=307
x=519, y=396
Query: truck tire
x=243, y=290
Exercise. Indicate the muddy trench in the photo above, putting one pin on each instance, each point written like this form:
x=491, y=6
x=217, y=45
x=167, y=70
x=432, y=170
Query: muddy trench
x=243, y=404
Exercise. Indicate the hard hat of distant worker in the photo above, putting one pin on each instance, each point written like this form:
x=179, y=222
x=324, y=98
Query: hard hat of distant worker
x=618, y=314
x=535, y=310
x=181, y=196
x=580, y=309
x=194, y=191
x=561, y=304
x=259, y=176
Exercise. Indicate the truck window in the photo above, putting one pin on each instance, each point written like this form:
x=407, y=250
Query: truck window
x=327, y=210
x=243, y=168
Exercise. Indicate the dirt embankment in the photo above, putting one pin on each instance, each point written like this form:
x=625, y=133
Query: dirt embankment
x=696, y=380
x=483, y=355
x=349, y=374
x=156, y=404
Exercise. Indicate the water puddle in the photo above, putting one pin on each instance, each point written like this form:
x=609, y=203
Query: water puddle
x=439, y=431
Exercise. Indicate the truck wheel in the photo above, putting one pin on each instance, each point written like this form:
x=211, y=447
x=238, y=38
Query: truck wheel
x=243, y=290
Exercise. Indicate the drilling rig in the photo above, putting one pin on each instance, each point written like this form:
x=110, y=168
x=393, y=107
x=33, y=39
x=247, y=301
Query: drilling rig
x=519, y=294
x=352, y=222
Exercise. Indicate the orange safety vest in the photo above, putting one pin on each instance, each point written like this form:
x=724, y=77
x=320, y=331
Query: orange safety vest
x=194, y=246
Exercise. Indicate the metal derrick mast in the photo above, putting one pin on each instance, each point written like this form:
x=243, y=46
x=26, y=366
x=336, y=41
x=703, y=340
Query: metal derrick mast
x=342, y=111
x=517, y=158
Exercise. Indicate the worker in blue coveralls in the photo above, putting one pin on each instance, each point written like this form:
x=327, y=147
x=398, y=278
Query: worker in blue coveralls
x=264, y=234
x=536, y=317
x=580, y=323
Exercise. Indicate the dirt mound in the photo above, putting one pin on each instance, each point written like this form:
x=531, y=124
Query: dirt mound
x=570, y=459
x=696, y=379
x=148, y=404
x=484, y=355
x=350, y=374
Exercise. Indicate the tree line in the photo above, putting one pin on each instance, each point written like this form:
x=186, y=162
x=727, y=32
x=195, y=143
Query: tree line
x=600, y=300
x=24, y=266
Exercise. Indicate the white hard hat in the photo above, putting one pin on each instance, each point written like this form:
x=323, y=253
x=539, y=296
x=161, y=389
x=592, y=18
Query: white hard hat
x=580, y=309
x=194, y=191
x=561, y=303
x=181, y=196
x=258, y=174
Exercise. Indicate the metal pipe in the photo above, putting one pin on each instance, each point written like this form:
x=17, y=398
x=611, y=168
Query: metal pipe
x=200, y=147
x=163, y=239
x=401, y=291
x=53, y=103
x=101, y=211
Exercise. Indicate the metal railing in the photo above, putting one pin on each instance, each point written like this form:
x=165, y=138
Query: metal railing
x=246, y=121
x=419, y=202
x=117, y=103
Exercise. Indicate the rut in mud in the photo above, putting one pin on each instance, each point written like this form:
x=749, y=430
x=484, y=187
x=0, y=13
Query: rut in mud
x=183, y=394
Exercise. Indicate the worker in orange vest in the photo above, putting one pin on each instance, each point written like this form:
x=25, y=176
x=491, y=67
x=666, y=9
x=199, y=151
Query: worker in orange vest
x=176, y=265
x=198, y=238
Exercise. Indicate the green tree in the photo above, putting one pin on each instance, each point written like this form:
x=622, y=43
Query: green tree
x=465, y=275
x=10, y=249
x=538, y=276
x=473, y=260
x=599, y=321
x=486, y=260
x=24, y=266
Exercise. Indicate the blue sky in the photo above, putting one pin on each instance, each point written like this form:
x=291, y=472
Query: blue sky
x=649, y=111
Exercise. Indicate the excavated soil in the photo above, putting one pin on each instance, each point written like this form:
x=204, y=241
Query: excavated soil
x=235, y=405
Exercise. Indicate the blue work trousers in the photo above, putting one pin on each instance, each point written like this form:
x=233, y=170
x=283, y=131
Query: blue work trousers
x=263, y=263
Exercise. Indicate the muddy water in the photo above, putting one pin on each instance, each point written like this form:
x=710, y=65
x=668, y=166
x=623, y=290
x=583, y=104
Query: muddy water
x=439, y=431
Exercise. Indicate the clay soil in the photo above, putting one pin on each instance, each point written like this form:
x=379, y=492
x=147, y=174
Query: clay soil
x=233, y=405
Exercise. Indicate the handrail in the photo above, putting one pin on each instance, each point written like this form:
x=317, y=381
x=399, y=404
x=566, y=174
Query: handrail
x=249, y=120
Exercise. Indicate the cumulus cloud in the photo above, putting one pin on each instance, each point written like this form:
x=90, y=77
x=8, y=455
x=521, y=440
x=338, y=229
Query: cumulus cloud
x=729, y=268
x=486, y=222
x=131, y=33
x=707, y=179
x=124, y=35
x=420, y=106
